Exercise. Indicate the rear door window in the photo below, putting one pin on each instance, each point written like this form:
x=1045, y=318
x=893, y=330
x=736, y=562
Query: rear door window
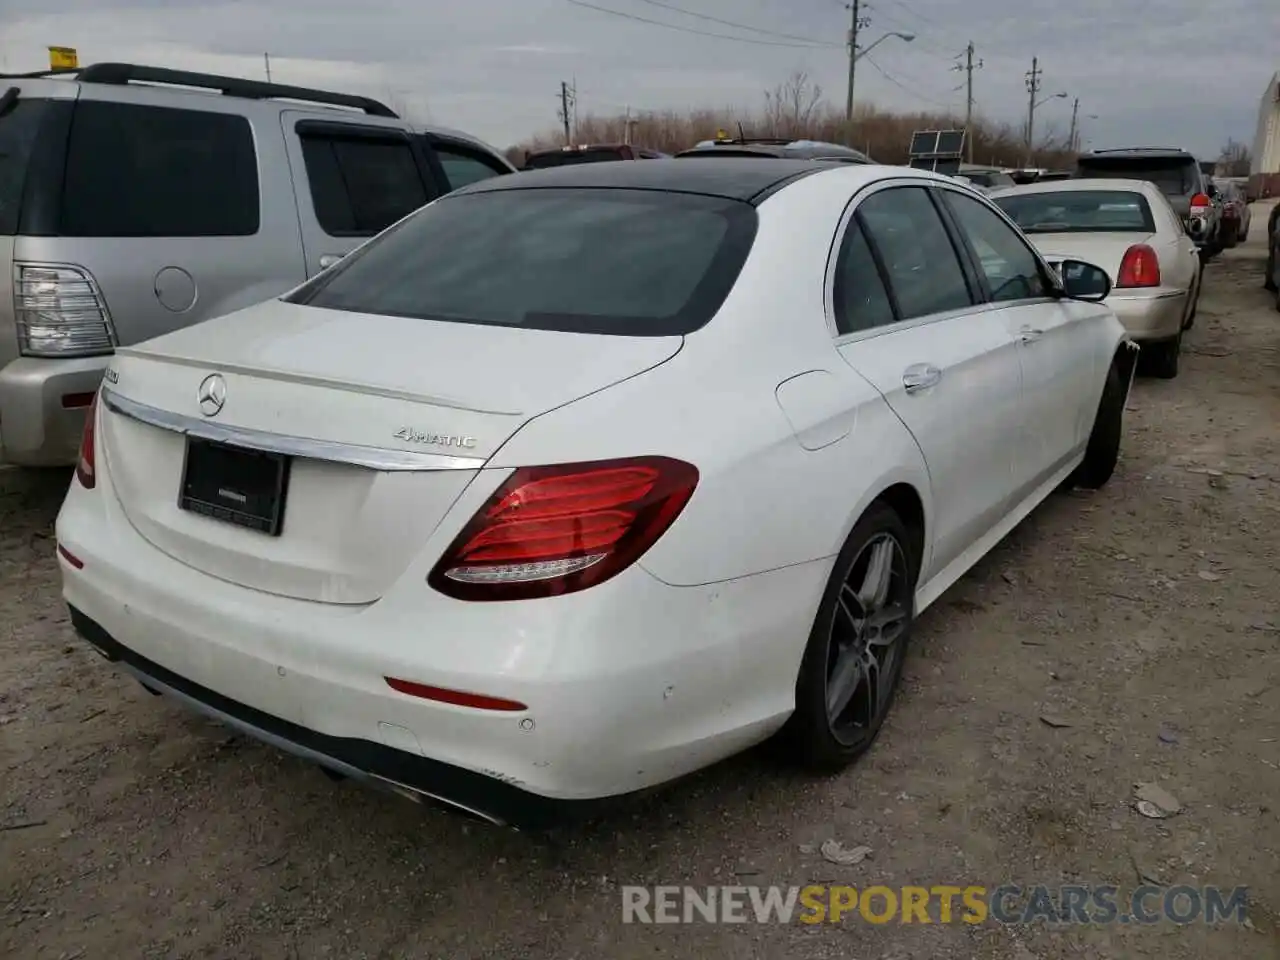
x=141, y=171
x=360, y=184
x=625, y=262
x=920, y=261
x=463, y=166
x=19, y=124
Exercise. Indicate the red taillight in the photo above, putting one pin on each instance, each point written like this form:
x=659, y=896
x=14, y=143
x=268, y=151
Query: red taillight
x=1200, y=203
x=84, y=466
x=1139, y=268
x=554, y=530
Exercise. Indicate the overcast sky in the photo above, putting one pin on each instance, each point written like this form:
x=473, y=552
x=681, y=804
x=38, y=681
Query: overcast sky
x=1180, y=72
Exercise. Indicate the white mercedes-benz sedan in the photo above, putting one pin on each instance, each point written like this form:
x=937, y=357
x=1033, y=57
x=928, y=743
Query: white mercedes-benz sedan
x=575, y=481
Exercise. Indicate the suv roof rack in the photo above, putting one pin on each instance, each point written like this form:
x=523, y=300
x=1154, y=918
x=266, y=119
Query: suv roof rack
x=121, y=74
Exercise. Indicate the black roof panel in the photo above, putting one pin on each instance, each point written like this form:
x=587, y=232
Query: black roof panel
x=728, y=178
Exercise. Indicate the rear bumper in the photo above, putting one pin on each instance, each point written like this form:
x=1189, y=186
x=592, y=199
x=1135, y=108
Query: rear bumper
x=37, y=427
x=374, y=763
x=1150, y=315
x=627, y=685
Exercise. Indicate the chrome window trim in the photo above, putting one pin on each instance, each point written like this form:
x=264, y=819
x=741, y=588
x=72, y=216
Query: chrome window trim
x=353, y=454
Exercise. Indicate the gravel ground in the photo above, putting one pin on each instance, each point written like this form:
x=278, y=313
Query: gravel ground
x=1141, y=620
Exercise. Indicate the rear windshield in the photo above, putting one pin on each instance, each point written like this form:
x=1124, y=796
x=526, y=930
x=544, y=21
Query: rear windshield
x=625, y=262
x=1080, y=211
x=19, y=123
x=1175, y=177
x=561, y=158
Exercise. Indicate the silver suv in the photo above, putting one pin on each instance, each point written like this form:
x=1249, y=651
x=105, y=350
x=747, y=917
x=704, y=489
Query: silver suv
x=134, y=200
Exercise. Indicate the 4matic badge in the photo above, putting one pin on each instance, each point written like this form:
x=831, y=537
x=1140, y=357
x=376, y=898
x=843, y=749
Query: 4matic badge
x=410, y=435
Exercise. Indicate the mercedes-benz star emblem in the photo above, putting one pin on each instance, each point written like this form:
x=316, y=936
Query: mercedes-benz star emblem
x=212, y=394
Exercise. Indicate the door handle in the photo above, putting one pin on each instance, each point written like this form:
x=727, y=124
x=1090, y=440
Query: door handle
x=920, y=376
x=327, y=260
x=1030, y=334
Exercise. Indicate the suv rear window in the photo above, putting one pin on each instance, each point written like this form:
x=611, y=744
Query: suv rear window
x=136, y=171
x=561, y=158
x=1175, y=176
x=19, y=125
x=625, y=262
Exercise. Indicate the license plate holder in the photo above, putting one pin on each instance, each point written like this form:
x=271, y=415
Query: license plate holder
x=235, y=485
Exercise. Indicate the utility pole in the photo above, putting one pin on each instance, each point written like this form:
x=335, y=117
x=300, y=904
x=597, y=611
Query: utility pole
x=568, y=96
x=266, y=60
x=968, y=67
x=1033, y=88
x=856, y=23
x=1075, y=129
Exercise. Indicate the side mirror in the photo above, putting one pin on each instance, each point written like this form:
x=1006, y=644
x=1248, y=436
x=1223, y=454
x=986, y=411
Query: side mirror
x=1084, y=281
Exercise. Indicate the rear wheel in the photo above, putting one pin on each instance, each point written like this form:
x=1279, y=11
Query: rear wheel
x=1103, y=452
x=1269, y=274
x=856, y=648
x=1162, y=357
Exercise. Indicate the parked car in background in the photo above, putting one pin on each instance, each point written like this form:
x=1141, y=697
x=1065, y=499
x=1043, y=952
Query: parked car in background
x=1178, y=175
x=777, y=148
x=1236, y=215
x=1271, y=275
x=1128, y=228
x=135, y=200
x=587, y=153
x=1046, y=175
x=510, y=585
x=989, y=177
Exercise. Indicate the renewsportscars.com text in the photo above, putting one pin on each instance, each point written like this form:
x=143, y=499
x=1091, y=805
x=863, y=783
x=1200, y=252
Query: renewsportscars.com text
x=942, y=903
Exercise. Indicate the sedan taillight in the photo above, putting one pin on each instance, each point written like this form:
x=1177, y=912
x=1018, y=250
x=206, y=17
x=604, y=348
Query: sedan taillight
x=85, y=470
x=554, y=530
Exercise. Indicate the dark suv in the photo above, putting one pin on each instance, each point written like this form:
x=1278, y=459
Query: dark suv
x=587, y=153
x=768, y=147
x=1178, y=175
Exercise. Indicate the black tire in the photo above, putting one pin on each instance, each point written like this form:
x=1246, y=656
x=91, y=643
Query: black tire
x=1269, y=274
x=1103, y=452
x=1162, y=358
x=811, y=737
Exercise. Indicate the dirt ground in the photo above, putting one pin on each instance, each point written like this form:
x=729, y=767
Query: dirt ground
x=1142, y=619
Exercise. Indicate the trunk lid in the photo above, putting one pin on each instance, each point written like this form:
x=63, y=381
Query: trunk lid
x=354, y=397
x=1104, y=250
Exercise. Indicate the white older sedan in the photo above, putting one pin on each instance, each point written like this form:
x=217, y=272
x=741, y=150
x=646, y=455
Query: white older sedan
x=1128, y=228
x=576, y=481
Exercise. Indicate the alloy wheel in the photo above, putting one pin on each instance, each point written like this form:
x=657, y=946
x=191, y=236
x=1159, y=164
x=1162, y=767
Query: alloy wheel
x=873, y=611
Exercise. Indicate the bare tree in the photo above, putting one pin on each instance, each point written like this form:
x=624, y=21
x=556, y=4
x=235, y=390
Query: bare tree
x=790, y=107
x=1234, y=158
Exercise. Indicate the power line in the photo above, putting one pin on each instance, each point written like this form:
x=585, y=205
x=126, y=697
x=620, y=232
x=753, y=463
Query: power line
x=737, y=26
x=702, y=33
x=903, y=87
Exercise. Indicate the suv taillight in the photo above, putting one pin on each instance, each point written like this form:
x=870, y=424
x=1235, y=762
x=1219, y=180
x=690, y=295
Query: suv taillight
x=1200, y=204
x=1139, y=268
x=60, y=312
x=85, y=471
x=554, y=530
